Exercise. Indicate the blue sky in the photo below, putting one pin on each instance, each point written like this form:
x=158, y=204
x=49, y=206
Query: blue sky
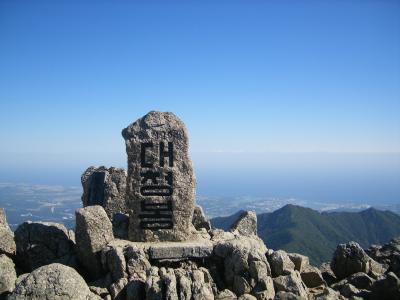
x=259, y=76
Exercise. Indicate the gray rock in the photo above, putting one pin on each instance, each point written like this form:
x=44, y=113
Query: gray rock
x=312, y=277
x=54, y=281
x=388, y=287
x=153, y=285
x=288, y=296
x=280, y=263
x=118, y=289
x=114, y=261
x=7, y=243
x=247, y=297
x=120, y=224
x=43, y=243
x=105, y=187
x=361, y=280
x=349, y=259
x=240, y=285
x=327, y=294
x=291, y=283
x=184, y=284
x=246, y=224
x=226, y=295
x=300, y=261
x=348, y=290
x=160, y=179
x=174, y=250
x=264, y=289
x=201, y=286
x=138, y=266
x=259, y=269
x=169, y=279
x=199, y=220
x=93, y=232
x=327, y=273
x=8, y=276
x=135, y=290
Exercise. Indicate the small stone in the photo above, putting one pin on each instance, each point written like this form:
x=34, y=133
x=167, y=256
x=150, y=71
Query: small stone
x=288, y=296
x=300, y=261
x=246, y=224
x=327, y=294
x=8, y=276
x=105, y=187
x=264, y=289
x=247, y=297
x=153, y=285
x=361, y=280
x=169, y=280
x=280, y=263
x=93, y=232
x=138, y=266
x=201, y=288
x=199, y=220
x=54, y=281
x=312, y=277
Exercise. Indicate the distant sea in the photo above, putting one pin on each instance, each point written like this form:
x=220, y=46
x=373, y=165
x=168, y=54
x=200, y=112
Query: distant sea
x=226, y=182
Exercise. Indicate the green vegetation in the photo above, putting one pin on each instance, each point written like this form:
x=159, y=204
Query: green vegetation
x=309, y=232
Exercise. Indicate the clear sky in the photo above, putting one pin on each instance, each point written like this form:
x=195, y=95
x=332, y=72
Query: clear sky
x=245, y=76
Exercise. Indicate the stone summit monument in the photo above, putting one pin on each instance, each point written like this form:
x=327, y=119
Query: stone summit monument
x=160, y=189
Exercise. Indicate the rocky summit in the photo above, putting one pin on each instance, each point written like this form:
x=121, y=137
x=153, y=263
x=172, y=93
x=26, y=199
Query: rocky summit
x=140, y=236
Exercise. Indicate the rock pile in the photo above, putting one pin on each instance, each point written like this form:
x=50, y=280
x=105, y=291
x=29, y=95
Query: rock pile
x=172, y=251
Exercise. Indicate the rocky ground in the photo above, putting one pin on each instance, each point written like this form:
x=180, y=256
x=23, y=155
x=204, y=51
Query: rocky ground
x=47, y=261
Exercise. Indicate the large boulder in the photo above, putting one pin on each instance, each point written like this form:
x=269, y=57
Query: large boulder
x=8, y=276
x=7, y=243
x=160, y=182
x=246, y=224
x=105, y=187
x=349, y=259
x=280, y=263
x=386, y=288
x=54, y=281
x=42, y=243
x=300, y=261
x=291, y=283
x=93, y=232
x=312, y=277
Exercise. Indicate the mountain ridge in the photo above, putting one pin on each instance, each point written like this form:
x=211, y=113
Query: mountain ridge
x=315, y=234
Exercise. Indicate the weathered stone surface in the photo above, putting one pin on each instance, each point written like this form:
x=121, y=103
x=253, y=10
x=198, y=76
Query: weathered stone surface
x=388, y=287
x=291, y=283
x=171, y=250
x=118, y=289
x=388, y=256
x=201, y=285
x=288, y=296
x=169, y=279
x=361, y=280
x=54, y=281
x=199, y=219
x=246, y=224
x=300, y=261
x=105, y=187
x=160, y=182
x=184, y=284
x=114, y=261
x=42, y=243
x=135, y=290
x=312, y=277
x=280, y=263
x=259, y=269
x=327, y=273
x=328, y=294
x=247, y=297
x=8, y=276
x=264, y=289
x=7, y=243
x=120, y=223
x=93, y=232
x=240, y=285
x=153, y=285
x=226, y=295
x=349, y=259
